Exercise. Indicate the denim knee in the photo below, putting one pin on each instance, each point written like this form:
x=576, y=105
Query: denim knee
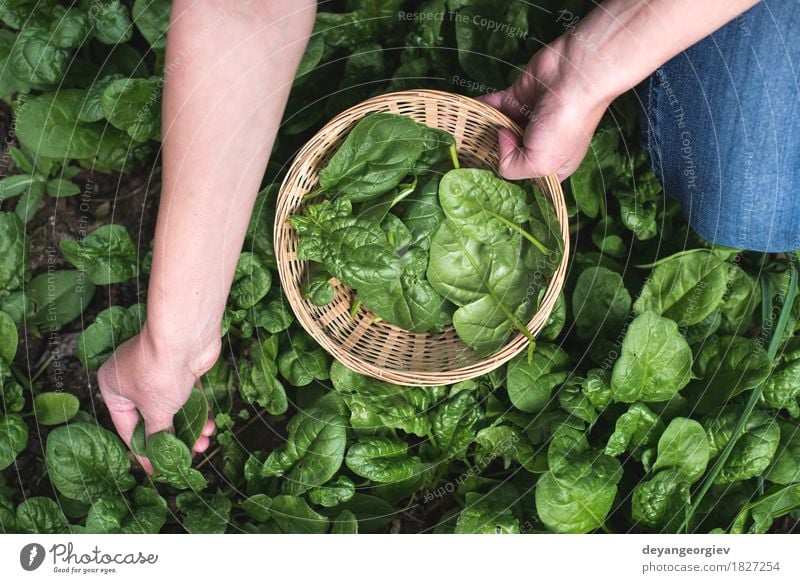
x=722, y=126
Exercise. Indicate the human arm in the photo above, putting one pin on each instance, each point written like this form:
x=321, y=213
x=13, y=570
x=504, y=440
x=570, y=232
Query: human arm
x=229, y=68
x=568, y=84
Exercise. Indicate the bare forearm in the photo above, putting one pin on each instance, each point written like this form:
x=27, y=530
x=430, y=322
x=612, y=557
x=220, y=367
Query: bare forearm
x=621, y=42
x=228, y=72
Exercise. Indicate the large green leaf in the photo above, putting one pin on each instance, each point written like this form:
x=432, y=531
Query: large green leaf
x=655, y=361
x=85, y=462
x=313, y=452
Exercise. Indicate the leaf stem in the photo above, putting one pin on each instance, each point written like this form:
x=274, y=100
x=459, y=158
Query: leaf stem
x=536, y=243
x=668, y=257
x=454, y=157
x=738, y=431
x=314, y=193
x=41, y=369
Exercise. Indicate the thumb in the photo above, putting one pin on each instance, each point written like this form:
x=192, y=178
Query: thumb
x=125, y=417
x=531, y=157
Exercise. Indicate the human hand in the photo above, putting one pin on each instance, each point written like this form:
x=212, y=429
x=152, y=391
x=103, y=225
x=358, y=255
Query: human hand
x=558, y=106
x=144, y=378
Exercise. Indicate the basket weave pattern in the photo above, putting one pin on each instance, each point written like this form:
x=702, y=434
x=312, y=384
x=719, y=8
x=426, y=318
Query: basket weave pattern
x=379, y=349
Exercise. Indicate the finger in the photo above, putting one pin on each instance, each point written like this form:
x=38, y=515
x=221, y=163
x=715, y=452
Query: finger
x=157, y=419
x=201, y=444
x=505, y=102
x=514, y=162
x=124, y=416
x=208, y=428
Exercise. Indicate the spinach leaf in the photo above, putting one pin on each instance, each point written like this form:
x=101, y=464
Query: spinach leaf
x=134, y=106
x=595, y=174
x=483, y=49
x=422, y=213
x=303, y=361
x=785, y=467
x=354, y=250
x=107, y=255
x=777, y=502
x=634, y=431
x=577, y=493
x=294, y=515
x=259, y=380
x=781, y=389
x=454, y=424
x=9, y=338
x=725, y=367
x=510, y=444
x=145, y=513
x=41, y=515
x=486, y=514
x=49, y=126
x=316, y=286
x=655, y=361
x=13, y=438
x=110, y=328
x=752, y=453
x=58, y=297
x=55, y=408
x=375, y=405
x=658, y=502
x=741, y=299
x=484, y=207
x=191, y=418
x=110, y=21
x=152, y=19
x=409, y=301
x=487, y=282
x=600, y=302
x=377, y=154
x=531, y=384
x=251, y=282
x=345, y=523
x=204, y=514
x=36, y=58
x=685, y=287
x=333, y=493
x=172, y=462
x=381, y=460
x=86, y=461
x=684, y=447
x=313, y=452
x=13, y=251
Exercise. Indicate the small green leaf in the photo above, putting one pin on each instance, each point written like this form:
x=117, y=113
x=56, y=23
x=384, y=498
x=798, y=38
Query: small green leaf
x=55, y=408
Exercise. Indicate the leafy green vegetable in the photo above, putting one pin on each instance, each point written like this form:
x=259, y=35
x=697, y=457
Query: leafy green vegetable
x=531, y=384
x=85, y=461
x=753, y=451
x=381, y=460
x=376, y=155
x=110, y=328
x=58, y=297
x=685, y=288
x=55, y=408
x=313, y=453
x=655, y=361
x=13, y=439
x=577, y=493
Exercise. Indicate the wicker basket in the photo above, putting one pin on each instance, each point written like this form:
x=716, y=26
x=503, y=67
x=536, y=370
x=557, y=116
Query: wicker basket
x=379, y=349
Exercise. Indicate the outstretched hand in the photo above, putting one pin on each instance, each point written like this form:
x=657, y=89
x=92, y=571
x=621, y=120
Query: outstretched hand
x=558, y=112
x=138, y=379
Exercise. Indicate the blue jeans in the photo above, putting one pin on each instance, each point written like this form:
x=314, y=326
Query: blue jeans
x=722, y=127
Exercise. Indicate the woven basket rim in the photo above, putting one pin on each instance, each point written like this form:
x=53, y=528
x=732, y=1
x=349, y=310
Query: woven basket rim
x=515, y=344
